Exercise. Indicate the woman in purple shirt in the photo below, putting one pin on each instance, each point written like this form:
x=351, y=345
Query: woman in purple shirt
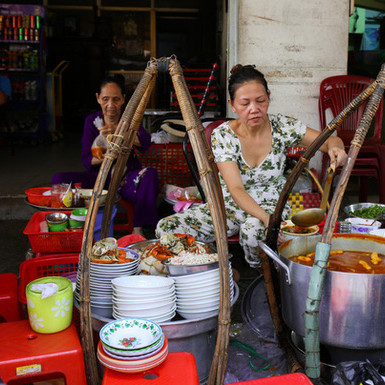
x=139, y=185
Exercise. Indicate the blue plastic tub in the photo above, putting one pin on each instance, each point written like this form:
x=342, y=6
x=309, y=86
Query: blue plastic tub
x=98, y=223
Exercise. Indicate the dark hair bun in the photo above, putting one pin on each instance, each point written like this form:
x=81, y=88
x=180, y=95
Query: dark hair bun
x=236, y=68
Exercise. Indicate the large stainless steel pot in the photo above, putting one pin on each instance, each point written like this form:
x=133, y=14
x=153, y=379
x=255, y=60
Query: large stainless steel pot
x=352, y=311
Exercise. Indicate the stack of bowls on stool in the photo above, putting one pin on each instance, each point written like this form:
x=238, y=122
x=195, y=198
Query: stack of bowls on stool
x=197, y=295
x=132, y=345
x=101, y=276
x=144, y=296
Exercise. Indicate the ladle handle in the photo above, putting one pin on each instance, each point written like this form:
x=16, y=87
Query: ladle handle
x=330, y=173
x=269, y=252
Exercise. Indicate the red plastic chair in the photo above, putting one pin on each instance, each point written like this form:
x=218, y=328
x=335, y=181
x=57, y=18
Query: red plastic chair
x=337, y=92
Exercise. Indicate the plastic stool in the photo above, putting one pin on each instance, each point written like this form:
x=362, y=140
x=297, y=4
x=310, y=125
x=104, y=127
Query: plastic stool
x=27, y=355
x=9, y=304
x=178, y=368
x=129, y=214
x=286, y=379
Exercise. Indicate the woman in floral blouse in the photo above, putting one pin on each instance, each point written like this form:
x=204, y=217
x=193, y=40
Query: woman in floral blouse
x=139, y=185
x=250, y=153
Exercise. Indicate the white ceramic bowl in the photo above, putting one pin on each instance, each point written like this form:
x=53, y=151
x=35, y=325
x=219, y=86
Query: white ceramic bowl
x=157, y=308
x=198, y=315
x=363, y=226
x=143, y=283
x=286, y=235
x=153, y=301
x=144, y=313
x=197, y=277
x=126, y=294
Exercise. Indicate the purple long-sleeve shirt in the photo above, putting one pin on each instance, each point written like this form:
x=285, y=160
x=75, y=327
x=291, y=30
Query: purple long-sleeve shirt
x=90, y=132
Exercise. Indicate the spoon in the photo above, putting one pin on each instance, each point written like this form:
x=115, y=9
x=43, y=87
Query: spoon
x=312, y=217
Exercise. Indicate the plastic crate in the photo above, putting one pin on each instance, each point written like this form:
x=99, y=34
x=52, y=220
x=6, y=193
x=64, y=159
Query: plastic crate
x=36, y=197
x=170, y=163
x=51, y=242
x=60, y=264
x=302, y=201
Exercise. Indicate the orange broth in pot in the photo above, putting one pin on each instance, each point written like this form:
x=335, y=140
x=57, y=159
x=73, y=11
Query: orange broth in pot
x=348, y=261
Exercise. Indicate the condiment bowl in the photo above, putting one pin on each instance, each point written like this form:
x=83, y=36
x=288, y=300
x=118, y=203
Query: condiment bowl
x=363, y=226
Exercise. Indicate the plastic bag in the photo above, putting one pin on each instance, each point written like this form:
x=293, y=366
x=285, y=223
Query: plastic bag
x=358, y=372
x=99, y=146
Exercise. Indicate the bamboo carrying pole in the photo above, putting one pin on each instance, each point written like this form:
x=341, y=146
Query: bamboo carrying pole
x=317, y=277
x=213, y=192
x=274, y=225
x=84, y=258
x=124, y=136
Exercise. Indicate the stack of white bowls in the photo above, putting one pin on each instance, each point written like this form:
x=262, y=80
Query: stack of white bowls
x=144, y=296
x=100, y=282
x=197, y=295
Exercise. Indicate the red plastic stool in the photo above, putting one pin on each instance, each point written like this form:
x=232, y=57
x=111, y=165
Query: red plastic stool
x=129, y=214
x=178, y=368
x=27, y=355
x=9, y=304
x=286, y=379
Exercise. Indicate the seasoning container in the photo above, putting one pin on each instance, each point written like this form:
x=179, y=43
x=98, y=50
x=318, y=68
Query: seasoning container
x=57, y=221
x=344, y=227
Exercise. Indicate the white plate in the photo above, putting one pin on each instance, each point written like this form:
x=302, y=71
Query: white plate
x=145, y=307
x=130, y=334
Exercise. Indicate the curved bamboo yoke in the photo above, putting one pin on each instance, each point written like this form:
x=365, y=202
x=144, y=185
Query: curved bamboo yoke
x=121, y=143
x=373, y=94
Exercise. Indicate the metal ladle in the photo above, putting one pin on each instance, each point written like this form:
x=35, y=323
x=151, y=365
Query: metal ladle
x=312, y=217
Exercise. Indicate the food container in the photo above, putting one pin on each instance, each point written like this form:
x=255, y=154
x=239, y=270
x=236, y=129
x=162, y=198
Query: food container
x=175, y=270
x=287, y=235
x=86, y=194
x=39, y=196
x=363, y=226
x=351, y=310
x=78, y=218
x=57, y=221
x=370, y=210
x=54, y=313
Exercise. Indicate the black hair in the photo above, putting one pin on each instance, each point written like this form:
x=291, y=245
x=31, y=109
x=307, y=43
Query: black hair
x=118, y=79
x=241, y=74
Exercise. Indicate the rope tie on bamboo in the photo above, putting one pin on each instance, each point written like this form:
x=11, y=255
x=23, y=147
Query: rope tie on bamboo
x=224, y=322
x=84, y=299
x=304, y=160
x=114, y=147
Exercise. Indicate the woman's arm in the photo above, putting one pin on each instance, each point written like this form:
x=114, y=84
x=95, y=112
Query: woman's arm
x=334, y=146
x=90, y=132
x=232, y=177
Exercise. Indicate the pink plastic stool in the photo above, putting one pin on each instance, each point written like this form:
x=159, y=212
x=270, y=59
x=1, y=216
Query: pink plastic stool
x=286, y=379
x=26, y=355
x=178, y=368
x=9, y=304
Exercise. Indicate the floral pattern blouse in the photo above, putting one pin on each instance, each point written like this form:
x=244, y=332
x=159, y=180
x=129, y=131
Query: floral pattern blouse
x=264, y=182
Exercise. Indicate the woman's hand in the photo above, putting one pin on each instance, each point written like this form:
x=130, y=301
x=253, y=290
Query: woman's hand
x=107, y=129
x=96, y=161
x=338, y=155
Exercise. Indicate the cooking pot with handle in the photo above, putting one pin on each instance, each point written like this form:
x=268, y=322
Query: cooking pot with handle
x=352, y=310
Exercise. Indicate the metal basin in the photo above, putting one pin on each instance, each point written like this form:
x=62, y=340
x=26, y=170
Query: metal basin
x=352, y=310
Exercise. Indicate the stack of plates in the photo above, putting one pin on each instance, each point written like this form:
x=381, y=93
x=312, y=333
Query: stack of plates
x=100, y=282
x=144, y=296
x=197, y=295
x=132, y=345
